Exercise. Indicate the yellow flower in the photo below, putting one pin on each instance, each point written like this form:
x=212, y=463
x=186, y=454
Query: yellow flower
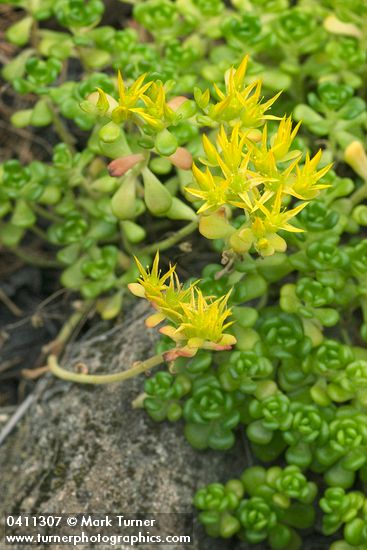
x=283, y=139
x=171, y=299
x=142, y=102
x=265, y=241
x=203, y=324
x=151, y=283
x=197, y=321
x=262, y=228
x=229, y=156
x=164, y=292
x=269, y=176
x=239, y=102
x=232, y=155
x=212, y=189
x=204, y=318
x=264, y=158
x=276, y=218
x=305, y=185
x=156, y=106
x=129, y=99
x=135, y=103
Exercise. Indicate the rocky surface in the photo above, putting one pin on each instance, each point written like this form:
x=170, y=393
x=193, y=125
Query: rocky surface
x=84, y=449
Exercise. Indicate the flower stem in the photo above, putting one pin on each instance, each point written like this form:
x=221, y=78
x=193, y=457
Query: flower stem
x=172, y=240
x=61, y=129
x=138, y=368
x=33, y=259
x=46, y=214
x=359, y=194
x=56, y=346
x=39, y=232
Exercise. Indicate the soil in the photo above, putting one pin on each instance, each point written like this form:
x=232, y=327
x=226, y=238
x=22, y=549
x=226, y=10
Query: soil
x=85, y=449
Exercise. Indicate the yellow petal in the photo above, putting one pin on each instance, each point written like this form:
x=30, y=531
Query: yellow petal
x=154, y=320
x=241, y=71
x=136, y=289
x=121, y=86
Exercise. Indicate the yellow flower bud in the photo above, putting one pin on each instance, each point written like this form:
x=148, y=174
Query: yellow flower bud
x=356, y=157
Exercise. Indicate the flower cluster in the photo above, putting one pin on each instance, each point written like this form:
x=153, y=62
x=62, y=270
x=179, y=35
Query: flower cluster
x=257, y=171
x=142, y=102
x=195, y=321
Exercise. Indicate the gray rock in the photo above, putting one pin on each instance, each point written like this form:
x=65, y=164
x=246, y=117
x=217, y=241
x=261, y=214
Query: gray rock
x=84, y=449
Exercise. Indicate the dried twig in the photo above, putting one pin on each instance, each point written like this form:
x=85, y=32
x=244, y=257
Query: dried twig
x=6, y=365
x=15, y=310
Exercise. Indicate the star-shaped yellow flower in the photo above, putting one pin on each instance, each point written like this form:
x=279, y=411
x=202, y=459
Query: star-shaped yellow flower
x=195, y=321
x=240, y=103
